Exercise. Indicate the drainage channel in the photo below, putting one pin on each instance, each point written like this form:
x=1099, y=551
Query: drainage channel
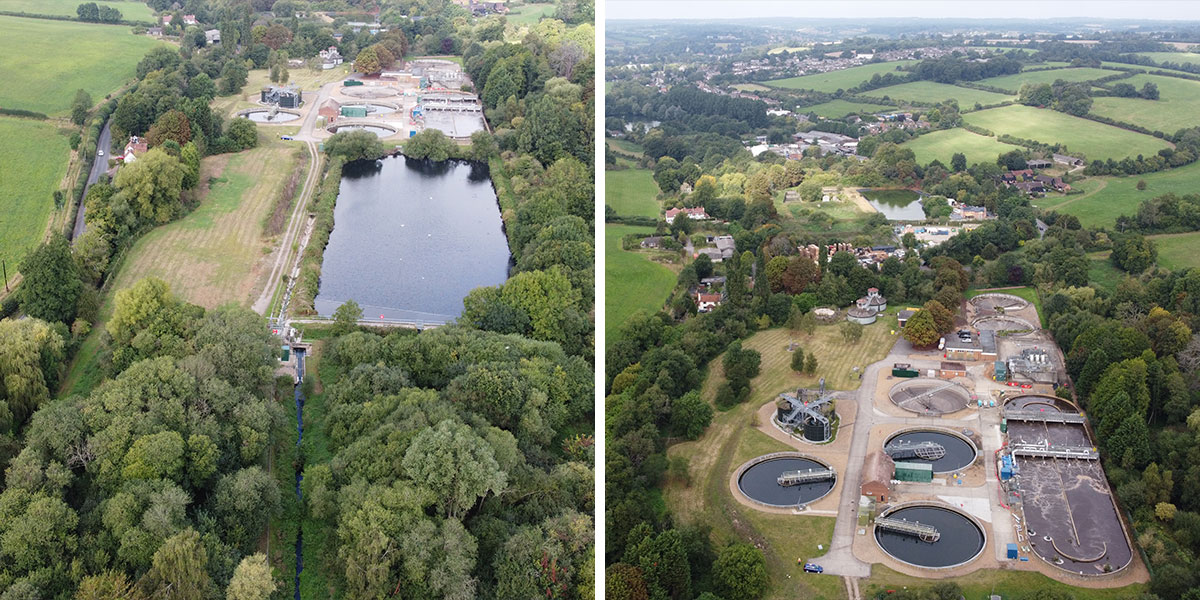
x=300, y=463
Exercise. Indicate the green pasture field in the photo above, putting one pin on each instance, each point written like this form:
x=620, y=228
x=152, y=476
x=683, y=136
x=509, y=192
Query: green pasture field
x=1178, y=250
x=1183, y=58
x=1107, y=198
x=626, y=147
x=1101, y=272
x=26, y=192
x=932, y=91
x=942, y=145
x=632, y=192
x=835, y=80
x=632, y=281
x=1177, y=107
x=836, y=109
x=46, y=61
x=1013, y=83
x=528, y=14
x=130, y=11
x=1097, y=140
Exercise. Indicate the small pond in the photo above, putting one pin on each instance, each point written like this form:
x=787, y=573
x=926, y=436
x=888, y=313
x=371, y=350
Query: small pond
x=896, y=205
x=412, y=238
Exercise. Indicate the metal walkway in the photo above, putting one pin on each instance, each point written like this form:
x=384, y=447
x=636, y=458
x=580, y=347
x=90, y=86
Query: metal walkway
x=1043, y=416
x=922, y=397
x=922, y=450
x=926, y=533
x=806, y=476
x=1048, y=451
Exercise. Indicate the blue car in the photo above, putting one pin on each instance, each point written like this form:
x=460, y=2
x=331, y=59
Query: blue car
x=813, y=568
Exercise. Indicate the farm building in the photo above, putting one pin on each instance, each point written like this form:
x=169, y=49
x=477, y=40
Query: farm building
x=877, y=476
x=1070, y=161
x=1038, y=164
x=950, y=370
x=212, y=36
x=284, y=97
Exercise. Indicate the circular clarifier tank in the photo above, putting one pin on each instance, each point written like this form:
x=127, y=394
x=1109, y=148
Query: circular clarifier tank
x=959, y=451
x=759, y=481
x=378, y=130
x=265, y=116
x=959, y=538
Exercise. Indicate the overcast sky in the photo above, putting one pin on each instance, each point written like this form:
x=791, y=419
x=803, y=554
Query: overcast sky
x=980, y=9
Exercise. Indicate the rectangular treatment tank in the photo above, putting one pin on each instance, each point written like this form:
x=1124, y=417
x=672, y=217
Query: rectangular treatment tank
x=914, y=472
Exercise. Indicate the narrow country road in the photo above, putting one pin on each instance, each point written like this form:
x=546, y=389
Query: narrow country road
x=99, y=167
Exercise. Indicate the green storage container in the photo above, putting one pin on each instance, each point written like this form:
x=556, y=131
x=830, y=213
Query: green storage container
x=914, y=471
x=354, y=111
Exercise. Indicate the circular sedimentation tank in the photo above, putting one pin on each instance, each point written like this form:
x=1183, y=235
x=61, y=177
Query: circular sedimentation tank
x=374, y=108
x=370, y=93
x=759, y=481
x=960, y=540
x=929, y=396
x=378, y=130
x=999, y=302
x=960, y=451
x=1040, y=402
x=1011, y=324
x=265, y=116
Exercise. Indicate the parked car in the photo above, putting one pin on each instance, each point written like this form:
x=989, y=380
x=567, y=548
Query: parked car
x=286, y=137
x=99, y=153
x=813, y=568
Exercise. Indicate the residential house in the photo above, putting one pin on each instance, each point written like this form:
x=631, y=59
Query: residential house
x=1055, y=183
x=725, y=245
x=654, y=241
x=135, y=147
x=155, y=31
x=707, y=302
x=330, y=57
x=166, y=19
x=696, y=214
x=1030, y=187
x=190, y=20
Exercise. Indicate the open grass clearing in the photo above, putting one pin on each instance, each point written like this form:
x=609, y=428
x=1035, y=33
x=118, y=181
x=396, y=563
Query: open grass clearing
x=842, y=79
x=1101, y=272
x=27, y=192
x=934, y=92
x=1097, y=140
x=528, y=14
x=1120, y=196
x=626, y=147
x=751, y=87
x=217, y=254
x=1182, y=58
x=130, y=11
x=1002, y=582
x=731, y=440
x=632, y=281
x=943, y=145
x=836, y=109
x=1177, y=107
x=1177, y=251
x=632, y=192
x=44, y=61
x=1014, y=82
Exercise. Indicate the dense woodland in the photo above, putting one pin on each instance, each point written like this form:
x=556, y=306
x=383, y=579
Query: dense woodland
x=456, y=463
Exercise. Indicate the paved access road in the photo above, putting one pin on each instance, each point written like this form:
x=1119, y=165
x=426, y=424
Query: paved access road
x=99, y=167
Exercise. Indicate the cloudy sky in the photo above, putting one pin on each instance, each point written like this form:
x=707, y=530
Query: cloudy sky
x=981, y=9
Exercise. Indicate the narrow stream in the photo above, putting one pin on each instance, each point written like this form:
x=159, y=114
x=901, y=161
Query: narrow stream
x=299, y=464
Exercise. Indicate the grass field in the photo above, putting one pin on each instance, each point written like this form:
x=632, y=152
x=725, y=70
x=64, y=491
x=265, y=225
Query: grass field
x=38, y=75
x=631, y=192
x=26, y=193
x=1183, y=58
x=932, y=91
x=211, y=256
x=627, y=148
x=1178, y=250
x=1097, y=140
x=1013, y=83
x=836, y=109
x=632, y=281
x=1005, y=583
x=835, y=80
x=1177, y=107
x=131, y=10
x=731, y=440
x=1101, y=273
x=528, y=14
x=942, y=145
x=1110, y=197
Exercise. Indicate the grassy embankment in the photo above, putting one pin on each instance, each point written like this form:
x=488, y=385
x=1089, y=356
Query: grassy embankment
x=1097, y=140
x=837, y=80
x=704, y=497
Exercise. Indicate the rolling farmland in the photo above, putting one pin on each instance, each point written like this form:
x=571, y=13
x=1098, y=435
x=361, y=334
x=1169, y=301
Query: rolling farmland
x=1097, y=140
x=103, y=57
x=933, y=92
x=633, y=282
x=26, y=194
x=1111, y=197
x=1013, y=83
x=1177, y=107
x=130, y=11
x=835, y=80
x=942, y=145
x=836, y=109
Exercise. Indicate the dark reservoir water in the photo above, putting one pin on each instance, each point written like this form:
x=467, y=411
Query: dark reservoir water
x=760, y=482
x=961, y=539
x=958, y=452
x=896, y=205
x=412, y=238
